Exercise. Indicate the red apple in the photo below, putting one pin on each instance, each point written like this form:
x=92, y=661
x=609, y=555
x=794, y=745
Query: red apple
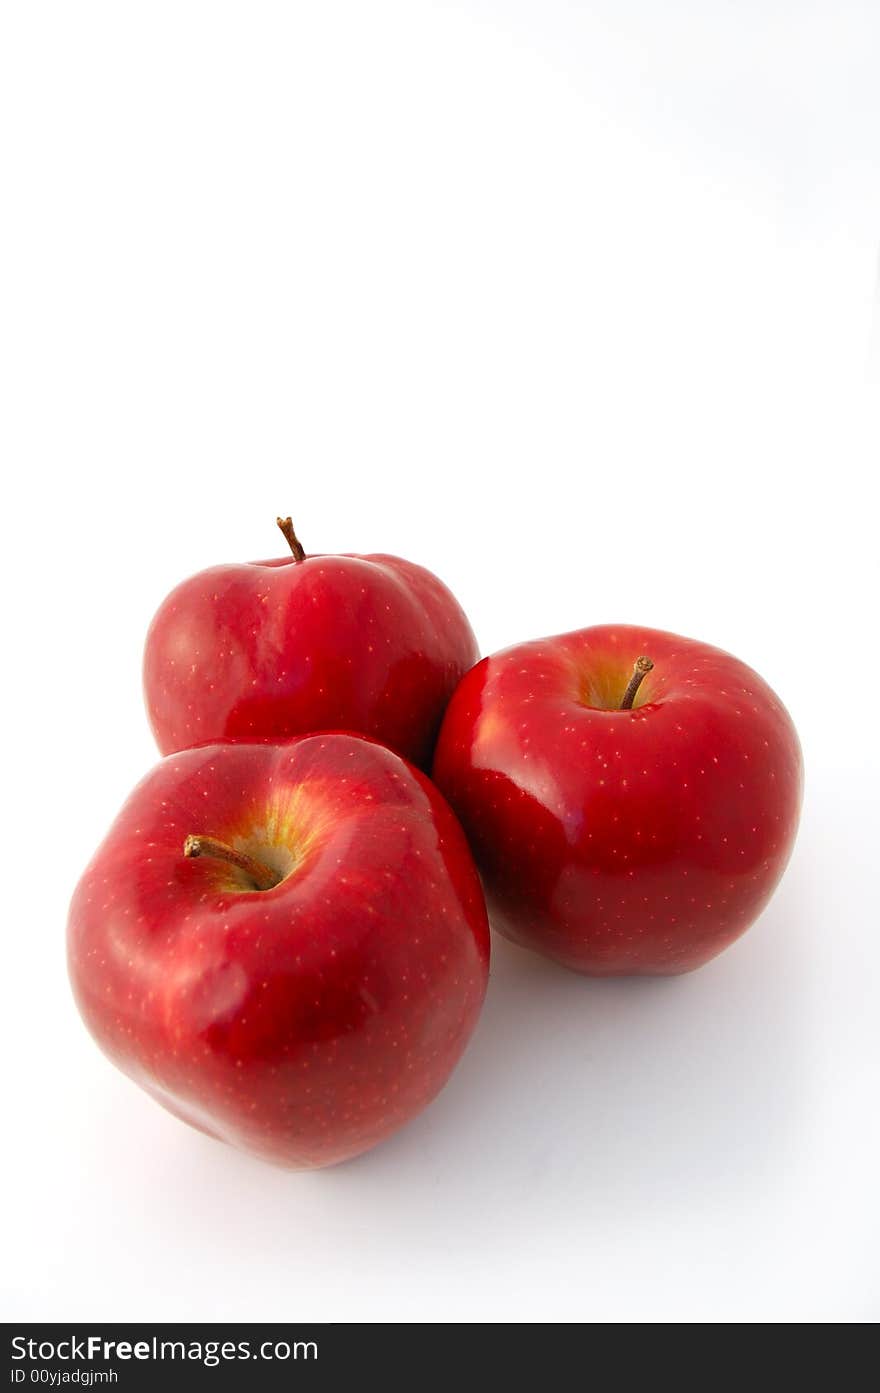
x=286, y=945
x=640, y=840
x=271, y=649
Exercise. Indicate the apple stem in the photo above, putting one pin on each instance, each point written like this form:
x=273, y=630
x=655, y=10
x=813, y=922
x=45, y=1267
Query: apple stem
x=263, y=877
x=641, y=668
x=292, y=540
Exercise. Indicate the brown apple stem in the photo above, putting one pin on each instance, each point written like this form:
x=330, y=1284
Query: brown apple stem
x=641, y=668
x=292, y=540
x=260, y=874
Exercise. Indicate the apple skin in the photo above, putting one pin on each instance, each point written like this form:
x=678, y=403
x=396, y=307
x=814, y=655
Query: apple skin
x=622, y=842
x=302, y=1023
x=270, y=649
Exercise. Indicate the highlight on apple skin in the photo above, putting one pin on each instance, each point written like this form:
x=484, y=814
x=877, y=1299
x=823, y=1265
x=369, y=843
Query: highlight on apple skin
x=269, y=649
x=631, y=797
x=285, y=945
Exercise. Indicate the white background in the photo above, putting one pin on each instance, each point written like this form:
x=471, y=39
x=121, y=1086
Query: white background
x=572, y=303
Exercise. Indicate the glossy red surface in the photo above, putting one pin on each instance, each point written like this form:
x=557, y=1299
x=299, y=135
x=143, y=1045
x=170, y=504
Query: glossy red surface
x=271, y=649
x=306, y=1022
x=640, y=841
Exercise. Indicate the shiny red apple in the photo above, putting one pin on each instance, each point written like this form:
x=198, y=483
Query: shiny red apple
x=270, y=649
x=631, y=797
x=286, y=945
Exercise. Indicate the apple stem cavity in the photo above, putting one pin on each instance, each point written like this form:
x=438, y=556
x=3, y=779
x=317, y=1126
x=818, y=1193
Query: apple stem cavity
x=641, y=668
x=263, y=877
x=292, y=540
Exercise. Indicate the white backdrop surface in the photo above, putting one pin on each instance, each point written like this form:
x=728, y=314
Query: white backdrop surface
x=575, y=304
